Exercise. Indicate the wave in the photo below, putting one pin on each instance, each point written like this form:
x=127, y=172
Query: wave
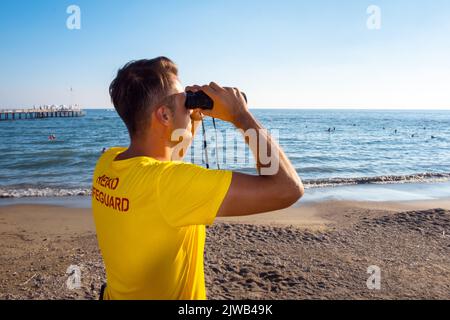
x=428, y=177
x=20, y=191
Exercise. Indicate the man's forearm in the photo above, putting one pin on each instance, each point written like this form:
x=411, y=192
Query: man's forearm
x=285, y=171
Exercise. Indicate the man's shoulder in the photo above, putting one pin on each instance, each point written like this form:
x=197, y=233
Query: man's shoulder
x=177, y=170
x=111, y=153
x=180, y=166
x=108, y=156
x=114, y=151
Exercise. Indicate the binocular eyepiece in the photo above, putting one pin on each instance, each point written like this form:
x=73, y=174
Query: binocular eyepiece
x=200, y=100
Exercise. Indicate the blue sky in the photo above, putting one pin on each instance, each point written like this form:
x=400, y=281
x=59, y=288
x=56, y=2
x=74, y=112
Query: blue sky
x=281, y=53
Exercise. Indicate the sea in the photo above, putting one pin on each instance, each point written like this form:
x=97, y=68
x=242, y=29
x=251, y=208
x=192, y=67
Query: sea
x=382, y=154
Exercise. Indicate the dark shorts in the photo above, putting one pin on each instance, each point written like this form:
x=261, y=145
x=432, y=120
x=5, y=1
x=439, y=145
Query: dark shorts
x=102, y=291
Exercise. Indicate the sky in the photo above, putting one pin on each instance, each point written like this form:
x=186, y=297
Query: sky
x=282, y=54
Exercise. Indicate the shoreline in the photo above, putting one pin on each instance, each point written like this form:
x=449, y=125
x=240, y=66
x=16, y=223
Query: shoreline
x=383, y=181
x=371, y=193
x=311, y=251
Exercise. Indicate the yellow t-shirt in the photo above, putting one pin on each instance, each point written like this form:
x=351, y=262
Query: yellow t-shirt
x=150, y=218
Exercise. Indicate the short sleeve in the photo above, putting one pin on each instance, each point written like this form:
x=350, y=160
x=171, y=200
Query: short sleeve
x=191, y=195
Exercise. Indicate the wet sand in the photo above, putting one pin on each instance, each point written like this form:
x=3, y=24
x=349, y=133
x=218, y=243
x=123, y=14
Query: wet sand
x=313, y=251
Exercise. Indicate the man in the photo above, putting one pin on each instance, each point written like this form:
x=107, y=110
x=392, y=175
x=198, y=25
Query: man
x=150, y=212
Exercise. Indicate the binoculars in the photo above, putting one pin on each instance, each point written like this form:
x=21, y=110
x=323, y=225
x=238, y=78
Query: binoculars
x=200, y=100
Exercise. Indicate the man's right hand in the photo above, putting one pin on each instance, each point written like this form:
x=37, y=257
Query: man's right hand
x=229, y=103
x=250, y=194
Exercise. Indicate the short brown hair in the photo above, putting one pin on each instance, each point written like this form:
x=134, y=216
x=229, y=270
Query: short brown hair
x=138, y=87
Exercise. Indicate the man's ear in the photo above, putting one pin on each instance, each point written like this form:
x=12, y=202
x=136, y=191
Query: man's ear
x=163, y=115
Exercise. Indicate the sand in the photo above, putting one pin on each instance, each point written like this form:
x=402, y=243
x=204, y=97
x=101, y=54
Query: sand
x=313, y=251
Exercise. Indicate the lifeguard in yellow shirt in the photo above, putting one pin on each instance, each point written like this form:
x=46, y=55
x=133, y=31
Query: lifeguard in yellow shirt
x=150, y=210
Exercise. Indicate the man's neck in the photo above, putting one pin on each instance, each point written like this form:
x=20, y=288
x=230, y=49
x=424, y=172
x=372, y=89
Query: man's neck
x=151, y=149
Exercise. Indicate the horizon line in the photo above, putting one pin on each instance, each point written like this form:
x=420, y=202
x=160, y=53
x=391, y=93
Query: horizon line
x=320, y=108
x=295, y=108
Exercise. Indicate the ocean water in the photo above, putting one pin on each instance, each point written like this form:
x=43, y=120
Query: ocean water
x=362, y=148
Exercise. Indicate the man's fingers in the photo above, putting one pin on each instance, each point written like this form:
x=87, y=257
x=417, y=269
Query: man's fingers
x=240, y=95
x=207, y=113
x=235, y=91
x=230, y=90
x=197, y=114
x=193, y=88
x=215, y=86
x=210, y=91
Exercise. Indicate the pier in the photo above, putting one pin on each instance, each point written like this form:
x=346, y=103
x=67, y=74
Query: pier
x=42, y=113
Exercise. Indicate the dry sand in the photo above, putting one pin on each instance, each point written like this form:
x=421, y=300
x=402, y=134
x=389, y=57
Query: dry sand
x=315, y=251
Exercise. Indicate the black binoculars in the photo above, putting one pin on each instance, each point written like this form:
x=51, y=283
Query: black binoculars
x=200, y=100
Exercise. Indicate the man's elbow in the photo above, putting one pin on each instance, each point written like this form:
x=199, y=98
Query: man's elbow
x=300, y=192
x=297, y=192
x=292, y=195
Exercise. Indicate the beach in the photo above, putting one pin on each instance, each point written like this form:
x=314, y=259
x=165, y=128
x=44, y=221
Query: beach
x=314, y=250
x=372, y=201
x=339, y=109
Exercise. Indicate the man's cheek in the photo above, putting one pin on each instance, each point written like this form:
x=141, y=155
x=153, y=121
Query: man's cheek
x=189, y=123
